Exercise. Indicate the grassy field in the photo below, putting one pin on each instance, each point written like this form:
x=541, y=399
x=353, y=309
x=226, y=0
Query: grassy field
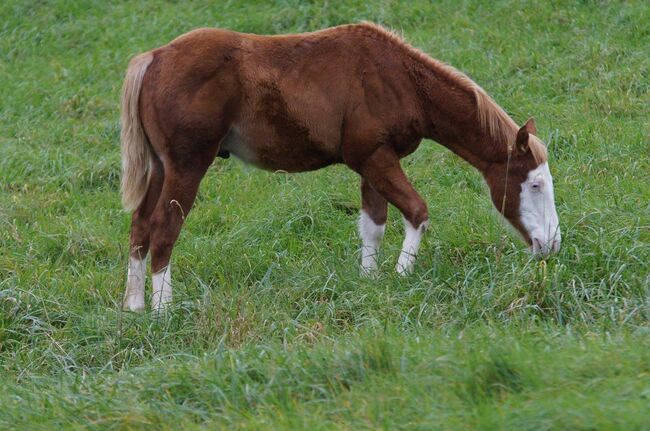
x=273, y=328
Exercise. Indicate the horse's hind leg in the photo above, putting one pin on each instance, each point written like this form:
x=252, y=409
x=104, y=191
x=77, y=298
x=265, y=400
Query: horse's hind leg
x=139, y=241
x=372, y=223
x=179, y=190
x=383, y=172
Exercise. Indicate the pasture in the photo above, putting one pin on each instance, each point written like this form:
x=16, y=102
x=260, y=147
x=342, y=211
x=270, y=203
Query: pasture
x=272, y=326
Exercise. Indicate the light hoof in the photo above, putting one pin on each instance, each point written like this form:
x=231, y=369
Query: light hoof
x=405, y=264
x=134, y=306
x=404, y=271
x=160, y=305
x=160, y=311
x=368, y=271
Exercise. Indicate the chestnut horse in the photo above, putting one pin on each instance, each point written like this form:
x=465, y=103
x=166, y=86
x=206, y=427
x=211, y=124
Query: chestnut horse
x=354, y=94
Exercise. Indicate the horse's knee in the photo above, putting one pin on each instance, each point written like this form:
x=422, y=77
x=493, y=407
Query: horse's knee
x=419, y=215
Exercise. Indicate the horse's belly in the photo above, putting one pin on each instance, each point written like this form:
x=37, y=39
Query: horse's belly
x=267, y=150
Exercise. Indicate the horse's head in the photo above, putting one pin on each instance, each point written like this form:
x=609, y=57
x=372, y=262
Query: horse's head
x=522, y=191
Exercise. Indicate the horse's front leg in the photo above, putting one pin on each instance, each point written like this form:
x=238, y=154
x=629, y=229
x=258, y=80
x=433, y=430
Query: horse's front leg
x=372, y=223
x=385, y=175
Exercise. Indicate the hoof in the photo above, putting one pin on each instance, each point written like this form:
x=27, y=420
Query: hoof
x=132, y=304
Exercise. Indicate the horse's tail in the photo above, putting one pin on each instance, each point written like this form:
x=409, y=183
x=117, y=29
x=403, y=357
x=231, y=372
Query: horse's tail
x=136, y=150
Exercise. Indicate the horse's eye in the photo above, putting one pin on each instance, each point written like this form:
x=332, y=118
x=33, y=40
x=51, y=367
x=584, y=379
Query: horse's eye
x=536, y=186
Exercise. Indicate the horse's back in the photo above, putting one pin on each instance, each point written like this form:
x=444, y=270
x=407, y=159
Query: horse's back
x=297, y=89
x=280, y=102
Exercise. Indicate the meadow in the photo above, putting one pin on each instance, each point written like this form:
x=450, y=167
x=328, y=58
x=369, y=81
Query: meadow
x=272, y=326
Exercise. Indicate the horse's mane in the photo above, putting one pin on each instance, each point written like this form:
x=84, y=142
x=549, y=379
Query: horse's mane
x=492, y=117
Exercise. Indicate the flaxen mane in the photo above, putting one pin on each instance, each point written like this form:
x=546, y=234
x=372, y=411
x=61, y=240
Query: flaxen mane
x=491, y=116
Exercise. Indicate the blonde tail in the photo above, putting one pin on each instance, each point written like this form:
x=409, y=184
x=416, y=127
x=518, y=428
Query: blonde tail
x=136, y=151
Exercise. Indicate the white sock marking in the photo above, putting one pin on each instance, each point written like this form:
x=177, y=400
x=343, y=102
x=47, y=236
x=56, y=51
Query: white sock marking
x=134, y=295
x=162, y=289
x=410, y=247
x=371, y=235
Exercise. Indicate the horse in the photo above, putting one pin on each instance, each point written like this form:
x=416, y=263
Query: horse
x=355, y=94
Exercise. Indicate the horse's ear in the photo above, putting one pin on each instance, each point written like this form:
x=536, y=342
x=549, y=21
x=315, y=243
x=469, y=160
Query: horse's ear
x=530, y=126
x=522, y=134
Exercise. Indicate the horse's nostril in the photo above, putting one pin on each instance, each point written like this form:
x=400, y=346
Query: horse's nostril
x=556, y=245
x=537, y=245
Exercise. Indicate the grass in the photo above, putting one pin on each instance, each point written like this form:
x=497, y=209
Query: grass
x=273, y=327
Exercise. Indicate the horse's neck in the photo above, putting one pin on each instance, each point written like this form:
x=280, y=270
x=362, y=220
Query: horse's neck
x=451, y=118
x=478, y=148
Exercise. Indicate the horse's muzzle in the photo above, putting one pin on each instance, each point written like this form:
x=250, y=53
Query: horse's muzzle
x=545, y=248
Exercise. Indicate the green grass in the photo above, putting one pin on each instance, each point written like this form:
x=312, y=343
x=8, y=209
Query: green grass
x=272, y=325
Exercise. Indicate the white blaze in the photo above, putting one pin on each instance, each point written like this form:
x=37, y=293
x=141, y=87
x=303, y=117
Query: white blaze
x=537, y=210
